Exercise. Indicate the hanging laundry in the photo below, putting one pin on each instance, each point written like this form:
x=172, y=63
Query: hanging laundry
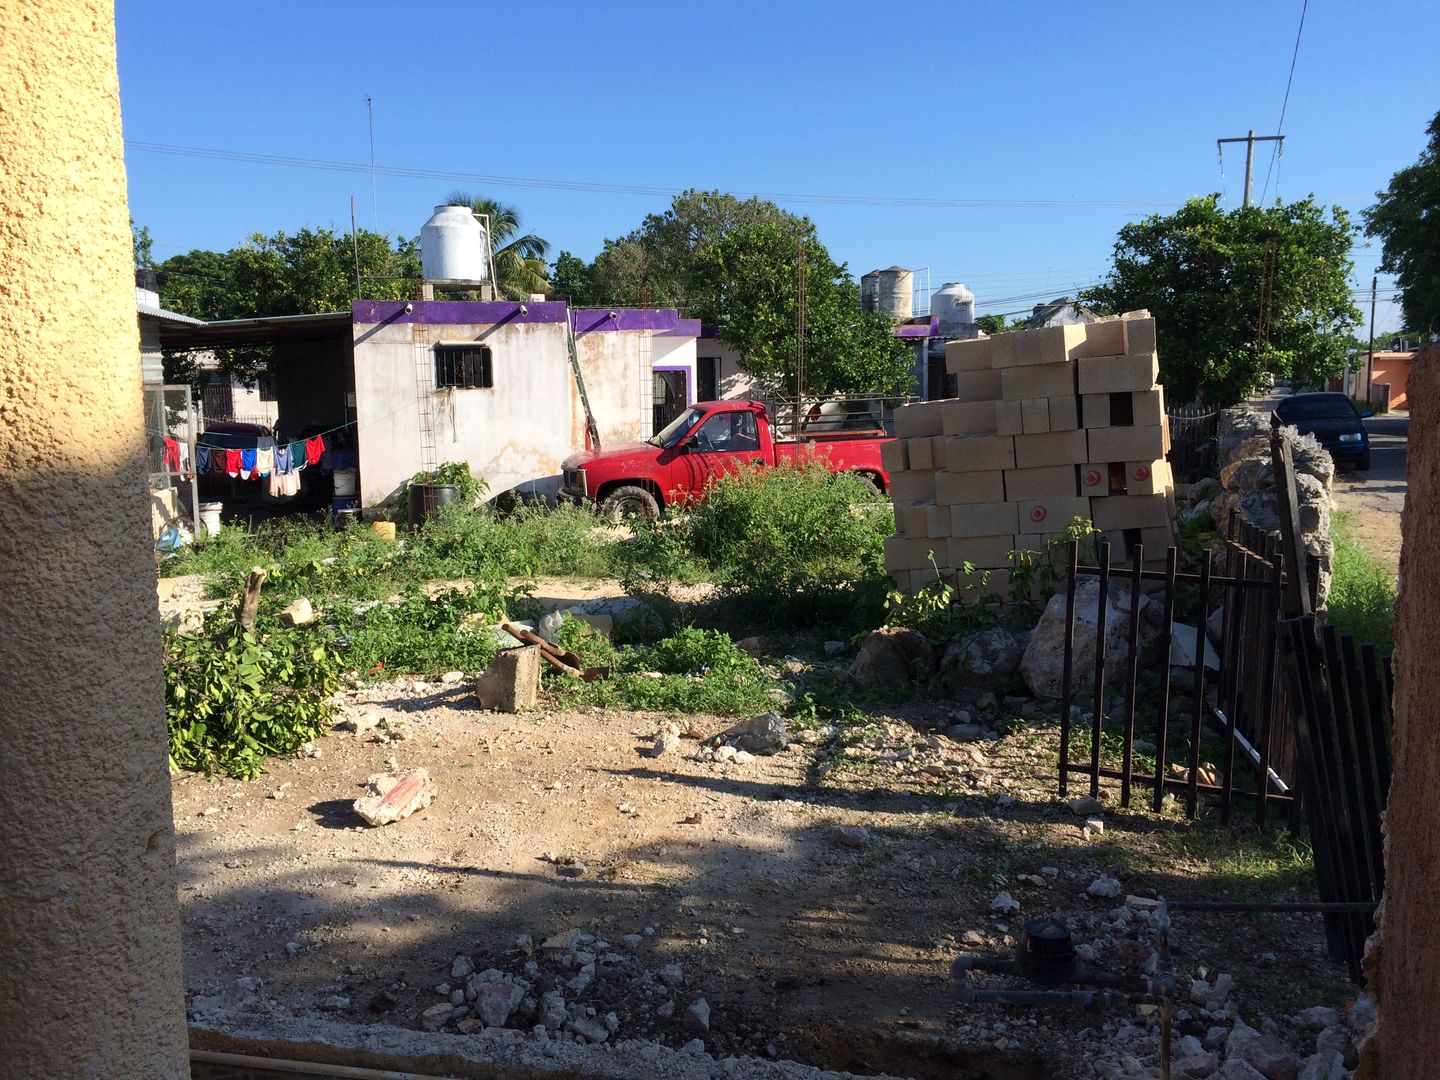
x=247, y=464
x=233, y=462
x=297, y=455
x=172, y=456
x=283, y=462
x=202, y=459
x=264, y=461
x=290, y=483
x=184, y=451
x=217, y=460
x=314, y=447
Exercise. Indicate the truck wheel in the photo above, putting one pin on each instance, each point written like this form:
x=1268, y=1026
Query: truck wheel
x=870, y=481
x=630, y=501
x=1363, y=464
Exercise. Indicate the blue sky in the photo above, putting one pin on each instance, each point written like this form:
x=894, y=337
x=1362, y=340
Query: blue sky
x=1066, y=104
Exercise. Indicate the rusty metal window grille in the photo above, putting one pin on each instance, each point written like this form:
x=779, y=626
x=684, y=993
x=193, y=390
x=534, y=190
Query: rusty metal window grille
x=464, y=367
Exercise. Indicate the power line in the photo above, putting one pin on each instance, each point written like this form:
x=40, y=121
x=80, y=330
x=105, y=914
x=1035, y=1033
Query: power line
x=1280, y=127
x=541, y=183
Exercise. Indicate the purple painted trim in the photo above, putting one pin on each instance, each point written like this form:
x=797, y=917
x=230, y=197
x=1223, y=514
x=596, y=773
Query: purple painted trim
x=689, y=378
x=595, y=320
x=918, y=330
x=457, y=312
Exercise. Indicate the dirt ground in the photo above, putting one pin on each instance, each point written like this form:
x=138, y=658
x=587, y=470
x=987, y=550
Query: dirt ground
x=804, y=947
x=1375, y=499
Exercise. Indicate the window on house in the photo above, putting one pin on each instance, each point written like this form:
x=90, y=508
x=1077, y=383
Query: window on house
x=265, y=384
x=463, y=366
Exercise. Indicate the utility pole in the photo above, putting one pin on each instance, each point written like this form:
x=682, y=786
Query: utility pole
x=1250, y=140
x=1370, y=357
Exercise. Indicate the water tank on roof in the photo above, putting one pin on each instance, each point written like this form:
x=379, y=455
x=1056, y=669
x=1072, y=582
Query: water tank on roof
x=953, y=305
x=896, y=292
x=452, y=246
x=870, y=291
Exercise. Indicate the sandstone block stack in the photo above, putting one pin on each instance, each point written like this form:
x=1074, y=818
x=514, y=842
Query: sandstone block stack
x=1046, y=426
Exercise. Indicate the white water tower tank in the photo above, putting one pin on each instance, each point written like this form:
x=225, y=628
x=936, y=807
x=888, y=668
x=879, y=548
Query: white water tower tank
x=870, y=291
x=896, y=292
x=452, y=246
x=953, y=305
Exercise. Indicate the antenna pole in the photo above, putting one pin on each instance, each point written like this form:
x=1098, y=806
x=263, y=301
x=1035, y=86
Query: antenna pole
x=370, y=120
x=355, y=246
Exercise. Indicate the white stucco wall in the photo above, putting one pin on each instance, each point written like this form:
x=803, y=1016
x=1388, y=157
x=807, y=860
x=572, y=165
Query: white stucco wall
x=734, y=383
x=616, y=367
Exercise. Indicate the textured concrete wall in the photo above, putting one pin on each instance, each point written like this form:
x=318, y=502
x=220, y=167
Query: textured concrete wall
x=89, y=927
x=1409, y=971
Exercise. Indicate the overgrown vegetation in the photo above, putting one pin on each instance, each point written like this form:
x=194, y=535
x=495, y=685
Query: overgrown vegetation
x=1362, y=592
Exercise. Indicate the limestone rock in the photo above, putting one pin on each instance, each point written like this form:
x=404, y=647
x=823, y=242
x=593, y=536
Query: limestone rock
x=697, y=1016
x=393, y=796
x=511, y=682
x=299, y=613
x=765, y=734
x=988, y=653
x=1325, y=1065
x=893, y=655
x=1042, y=666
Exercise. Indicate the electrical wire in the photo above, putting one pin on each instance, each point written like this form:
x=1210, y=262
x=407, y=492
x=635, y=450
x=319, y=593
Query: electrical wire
x=1280, y=127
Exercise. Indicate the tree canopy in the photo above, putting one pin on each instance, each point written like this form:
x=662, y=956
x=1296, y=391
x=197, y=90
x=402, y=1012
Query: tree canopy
x=1237, y=294
x=1407, y=221
x=750, y=274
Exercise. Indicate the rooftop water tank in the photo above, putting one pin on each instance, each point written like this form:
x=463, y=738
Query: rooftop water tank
x=896, y=292
x=870, y=291
x=953, y=305
x=452, y=246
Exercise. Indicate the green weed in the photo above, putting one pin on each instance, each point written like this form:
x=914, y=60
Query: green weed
x=1362, y=592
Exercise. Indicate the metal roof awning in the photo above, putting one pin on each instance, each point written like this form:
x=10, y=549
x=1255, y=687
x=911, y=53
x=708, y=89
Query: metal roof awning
x=271, y=330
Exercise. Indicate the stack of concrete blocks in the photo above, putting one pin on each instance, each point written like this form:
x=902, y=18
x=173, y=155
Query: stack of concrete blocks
x=1046, y=426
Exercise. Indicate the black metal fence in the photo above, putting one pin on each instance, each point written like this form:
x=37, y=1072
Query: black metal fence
x=1193, y=433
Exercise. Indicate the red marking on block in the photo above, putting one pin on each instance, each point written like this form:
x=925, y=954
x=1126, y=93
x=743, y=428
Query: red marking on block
x=1142, y=472
x=1038, y=513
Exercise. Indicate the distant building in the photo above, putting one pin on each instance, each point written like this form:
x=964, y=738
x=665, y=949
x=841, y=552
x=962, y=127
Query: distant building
x=1062, y=312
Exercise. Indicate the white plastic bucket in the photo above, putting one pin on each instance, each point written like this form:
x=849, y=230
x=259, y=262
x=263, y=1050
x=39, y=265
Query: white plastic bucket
x=210, y=517
x=345, y=482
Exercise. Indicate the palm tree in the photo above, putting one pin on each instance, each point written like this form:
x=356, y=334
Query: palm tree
x=520, y=267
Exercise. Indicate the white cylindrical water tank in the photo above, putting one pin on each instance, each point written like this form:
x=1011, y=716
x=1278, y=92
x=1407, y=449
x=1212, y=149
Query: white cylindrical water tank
x=870, y=291
x=953, y=306
x=896, y=292
x=452, y=246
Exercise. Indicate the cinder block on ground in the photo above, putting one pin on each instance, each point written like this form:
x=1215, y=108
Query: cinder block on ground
x=1035, y=416
x=1100, y=339
x=1097, y=478
x=1037, y=381
x=1009, y=418
x=1147, y=477
x=1126, y=443
x=512, y=681
x=1114, y=374
x=982, y=551
x=1130, y=512
x=968, y=417
x=984, y=519
x=918, y=419
x=976, y=386
x=893, y=458
x=913, y=519
x=978, y=453
x=1055, y=448
x=981, y=584
x=912, y=552
x=1064, y=413
x=937, y=522
x=937, y=451
x=1139, y=335
x=1052, y=515
x=1147, y=408
x=1050, y=482
x=911, y=486
x=1094, y=410
x=954, y=488
x=969, y=355
x=918, y=453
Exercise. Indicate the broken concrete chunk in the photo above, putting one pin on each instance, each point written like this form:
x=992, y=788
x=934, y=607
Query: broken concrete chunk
x=1105, y=887
x=765, y=734
x=665, y=742
x=856, y=836
x=1085, y=805
x=393, y=796
x=893, y=656
x=511, y=682
x=1182, y=648
x=697, y=1017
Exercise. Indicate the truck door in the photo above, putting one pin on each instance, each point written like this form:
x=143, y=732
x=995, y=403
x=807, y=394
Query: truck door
x=724, y=443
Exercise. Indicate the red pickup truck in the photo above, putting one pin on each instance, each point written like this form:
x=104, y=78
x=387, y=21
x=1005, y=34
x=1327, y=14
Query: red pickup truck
x=709, y=440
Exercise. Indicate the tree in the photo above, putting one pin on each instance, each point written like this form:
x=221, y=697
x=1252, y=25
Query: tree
x=571, y=279
x=1238, y=294
x=750, y=273
x=999, y=324
x=1407, y=220
x=143, y=244
x=519, y=258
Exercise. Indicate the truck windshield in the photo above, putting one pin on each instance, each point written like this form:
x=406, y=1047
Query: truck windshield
x=673, y=432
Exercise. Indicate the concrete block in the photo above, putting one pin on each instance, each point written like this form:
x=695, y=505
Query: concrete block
x=954, y=488
x=1139, y=336
x=1130, y=512
x=970, y=355
x=912, y=552
x=982, y=584
x=893, y=458
x=1113, y=374
x=1101, y=478
x=1038, y=542
x=1147, y=477
x=1100, y=339
x=1037, y=381
x=1009, y=418
x=982, y=551
x=1055, y=448
x=918, y=453
x=1064, y=413
x=984, y=519
x=1156, y=539
x=1046, y=515
x=937, y=451
x=1126, y=443
x=912, y=486
x=937, y=522
x=1035, y=416
x=912, y=519
x=975, y=386
x=968, y=417
x=924, y=576
x=917, y=420
x=1094, y=410
x=1049, y=482
x=977, y=453
x=1147, y=407
x=1003, y=349
x=511, y=682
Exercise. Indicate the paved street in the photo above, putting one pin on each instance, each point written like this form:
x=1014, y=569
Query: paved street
x=1376, y=498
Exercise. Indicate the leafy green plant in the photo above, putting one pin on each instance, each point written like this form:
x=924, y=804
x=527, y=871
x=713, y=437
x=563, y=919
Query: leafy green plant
x=1362, y=592
x=457, y=473
x=235, y=696
x=423, y=635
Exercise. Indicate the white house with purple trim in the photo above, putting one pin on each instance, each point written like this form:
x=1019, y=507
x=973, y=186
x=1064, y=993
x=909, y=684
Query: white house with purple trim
x=491, y=383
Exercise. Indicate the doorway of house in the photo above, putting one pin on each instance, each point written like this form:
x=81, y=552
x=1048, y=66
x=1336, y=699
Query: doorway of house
x=707, y=378
x=668, y=397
